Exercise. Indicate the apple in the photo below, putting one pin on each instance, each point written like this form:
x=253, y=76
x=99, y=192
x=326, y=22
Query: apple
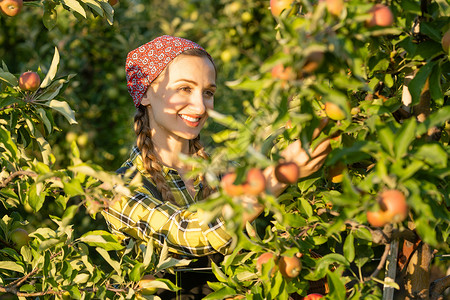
x=287, y=172
x=335, y=173
x=113, y=2
x=393, y=203
x=313, y=61
x=280, y=72
x=277, y=6
x=263, y=259
x=255, y=183
x=20, y=238
x=376, y=218
x=393, y=209
x=333, y=111
x=380, y=15
x=229, y=187
x=29, y=81
x=290, y=267
x=335, y=7
x=314, y=296
x=144, y=282
x=446, y=41
x=11, y=7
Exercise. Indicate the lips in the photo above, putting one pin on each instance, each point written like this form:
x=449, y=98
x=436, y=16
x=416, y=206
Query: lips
x=192, y=121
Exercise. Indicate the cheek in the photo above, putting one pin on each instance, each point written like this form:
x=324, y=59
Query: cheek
x=209, y=104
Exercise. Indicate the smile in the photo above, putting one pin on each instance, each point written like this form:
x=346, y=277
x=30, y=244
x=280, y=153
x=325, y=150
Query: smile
x=190, y=119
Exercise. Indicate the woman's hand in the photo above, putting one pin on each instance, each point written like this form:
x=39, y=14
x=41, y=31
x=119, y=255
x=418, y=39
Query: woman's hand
x=308, y=162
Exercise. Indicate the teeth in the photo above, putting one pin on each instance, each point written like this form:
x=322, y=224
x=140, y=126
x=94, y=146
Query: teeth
x=190, y=119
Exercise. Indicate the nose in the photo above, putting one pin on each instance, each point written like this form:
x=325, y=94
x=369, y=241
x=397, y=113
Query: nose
x=197, y=105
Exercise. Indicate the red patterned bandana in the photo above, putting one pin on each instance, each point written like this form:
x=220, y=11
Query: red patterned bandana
x=146, y=62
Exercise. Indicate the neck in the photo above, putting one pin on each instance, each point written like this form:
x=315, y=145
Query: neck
x=168, y=150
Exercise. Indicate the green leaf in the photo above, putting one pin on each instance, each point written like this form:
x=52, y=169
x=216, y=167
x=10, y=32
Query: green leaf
x=63, y=108
x=337, y=286
x=12, y=266
x=52, y=70
x=75, y=6
x=349, y=247
x=49, y=243
x=113, y=263
x=386, y=138
x=102, y=239
x=135, y=274
x=73, y=188
x=109, y=11
x=433, y=154
x=404, y=137
x=36, y=196
x=50, y=17
x=96, y=6
x=9, y=78
x=222, y=293
x=416, y=85
x=435, y=119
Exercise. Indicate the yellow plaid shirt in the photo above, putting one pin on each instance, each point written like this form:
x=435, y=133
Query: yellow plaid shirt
x=145, y=216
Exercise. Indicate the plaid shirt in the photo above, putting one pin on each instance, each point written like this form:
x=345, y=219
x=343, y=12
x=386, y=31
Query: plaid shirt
x=145, y=216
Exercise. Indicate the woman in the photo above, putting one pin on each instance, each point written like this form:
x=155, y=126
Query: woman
x=172, y=83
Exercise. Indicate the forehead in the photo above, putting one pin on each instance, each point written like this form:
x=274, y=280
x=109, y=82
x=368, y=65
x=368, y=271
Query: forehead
x=192, y=68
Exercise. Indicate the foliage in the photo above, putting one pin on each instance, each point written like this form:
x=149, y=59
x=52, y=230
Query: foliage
x=50, y=185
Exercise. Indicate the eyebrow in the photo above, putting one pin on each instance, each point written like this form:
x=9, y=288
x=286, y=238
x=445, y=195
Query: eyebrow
x=194, y=83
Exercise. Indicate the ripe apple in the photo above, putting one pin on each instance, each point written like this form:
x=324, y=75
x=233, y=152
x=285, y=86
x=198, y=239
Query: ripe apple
x=11, y=7
x=393, y=203
x=277, y=6
x=264, y=258
x=287, y=172
x=393, y=209
x=314, y=296
x=20, y=238
x=280, y=72
x=229, y=187
x=313, y=61
x=446, y=41
x=29, y=81
x=143, y=283
x=335, y=173
x=255, y=183
x=335, y=7
x=376, y=218
x=381, y=15
x=290, y=267
x=113, y=2
x=334, y=112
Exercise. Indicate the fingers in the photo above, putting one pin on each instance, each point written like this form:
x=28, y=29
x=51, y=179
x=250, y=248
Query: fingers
x=323, y=122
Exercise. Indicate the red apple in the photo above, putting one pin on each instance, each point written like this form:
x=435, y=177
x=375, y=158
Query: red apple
x=287, y=172
x=380, y=15
x=393, y=203
x=113, y=2
x=229, y=187
x=11, y=7
x=290, y=267
x=277, y=6
x=446, y=41
x=376, y=218
x=255, y=183
x=334, y=112
x=280, y=72
x=314, y=296
x=29, y=81
x=263, y=259
x=143, y=285
x=335, y=7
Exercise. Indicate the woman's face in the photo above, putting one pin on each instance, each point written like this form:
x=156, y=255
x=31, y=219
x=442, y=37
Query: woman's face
x=180, y=97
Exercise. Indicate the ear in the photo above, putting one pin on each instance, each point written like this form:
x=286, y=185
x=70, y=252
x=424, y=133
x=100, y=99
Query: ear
x=145, y=99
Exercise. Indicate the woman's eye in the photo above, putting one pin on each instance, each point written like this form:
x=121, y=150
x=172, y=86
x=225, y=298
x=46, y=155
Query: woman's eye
x=209, y=94
x=185, y=89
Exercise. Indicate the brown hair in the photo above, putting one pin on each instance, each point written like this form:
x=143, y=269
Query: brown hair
x=145, y=145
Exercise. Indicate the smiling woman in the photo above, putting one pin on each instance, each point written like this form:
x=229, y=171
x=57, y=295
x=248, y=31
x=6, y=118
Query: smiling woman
x=172, y=82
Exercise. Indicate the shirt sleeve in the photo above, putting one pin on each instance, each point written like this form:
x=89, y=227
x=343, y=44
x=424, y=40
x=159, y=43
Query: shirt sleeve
x=144, y=217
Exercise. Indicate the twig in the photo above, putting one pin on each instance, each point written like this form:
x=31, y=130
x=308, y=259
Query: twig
x=383, y=258
x=14, y=175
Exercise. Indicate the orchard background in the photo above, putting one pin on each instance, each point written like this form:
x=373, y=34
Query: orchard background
x=278, y=71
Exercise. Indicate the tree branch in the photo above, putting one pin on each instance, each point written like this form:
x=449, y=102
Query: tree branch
x=14, y=175
x=438, y=287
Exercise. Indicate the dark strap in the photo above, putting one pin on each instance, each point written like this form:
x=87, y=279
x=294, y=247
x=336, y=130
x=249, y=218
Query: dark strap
x=147, y=184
